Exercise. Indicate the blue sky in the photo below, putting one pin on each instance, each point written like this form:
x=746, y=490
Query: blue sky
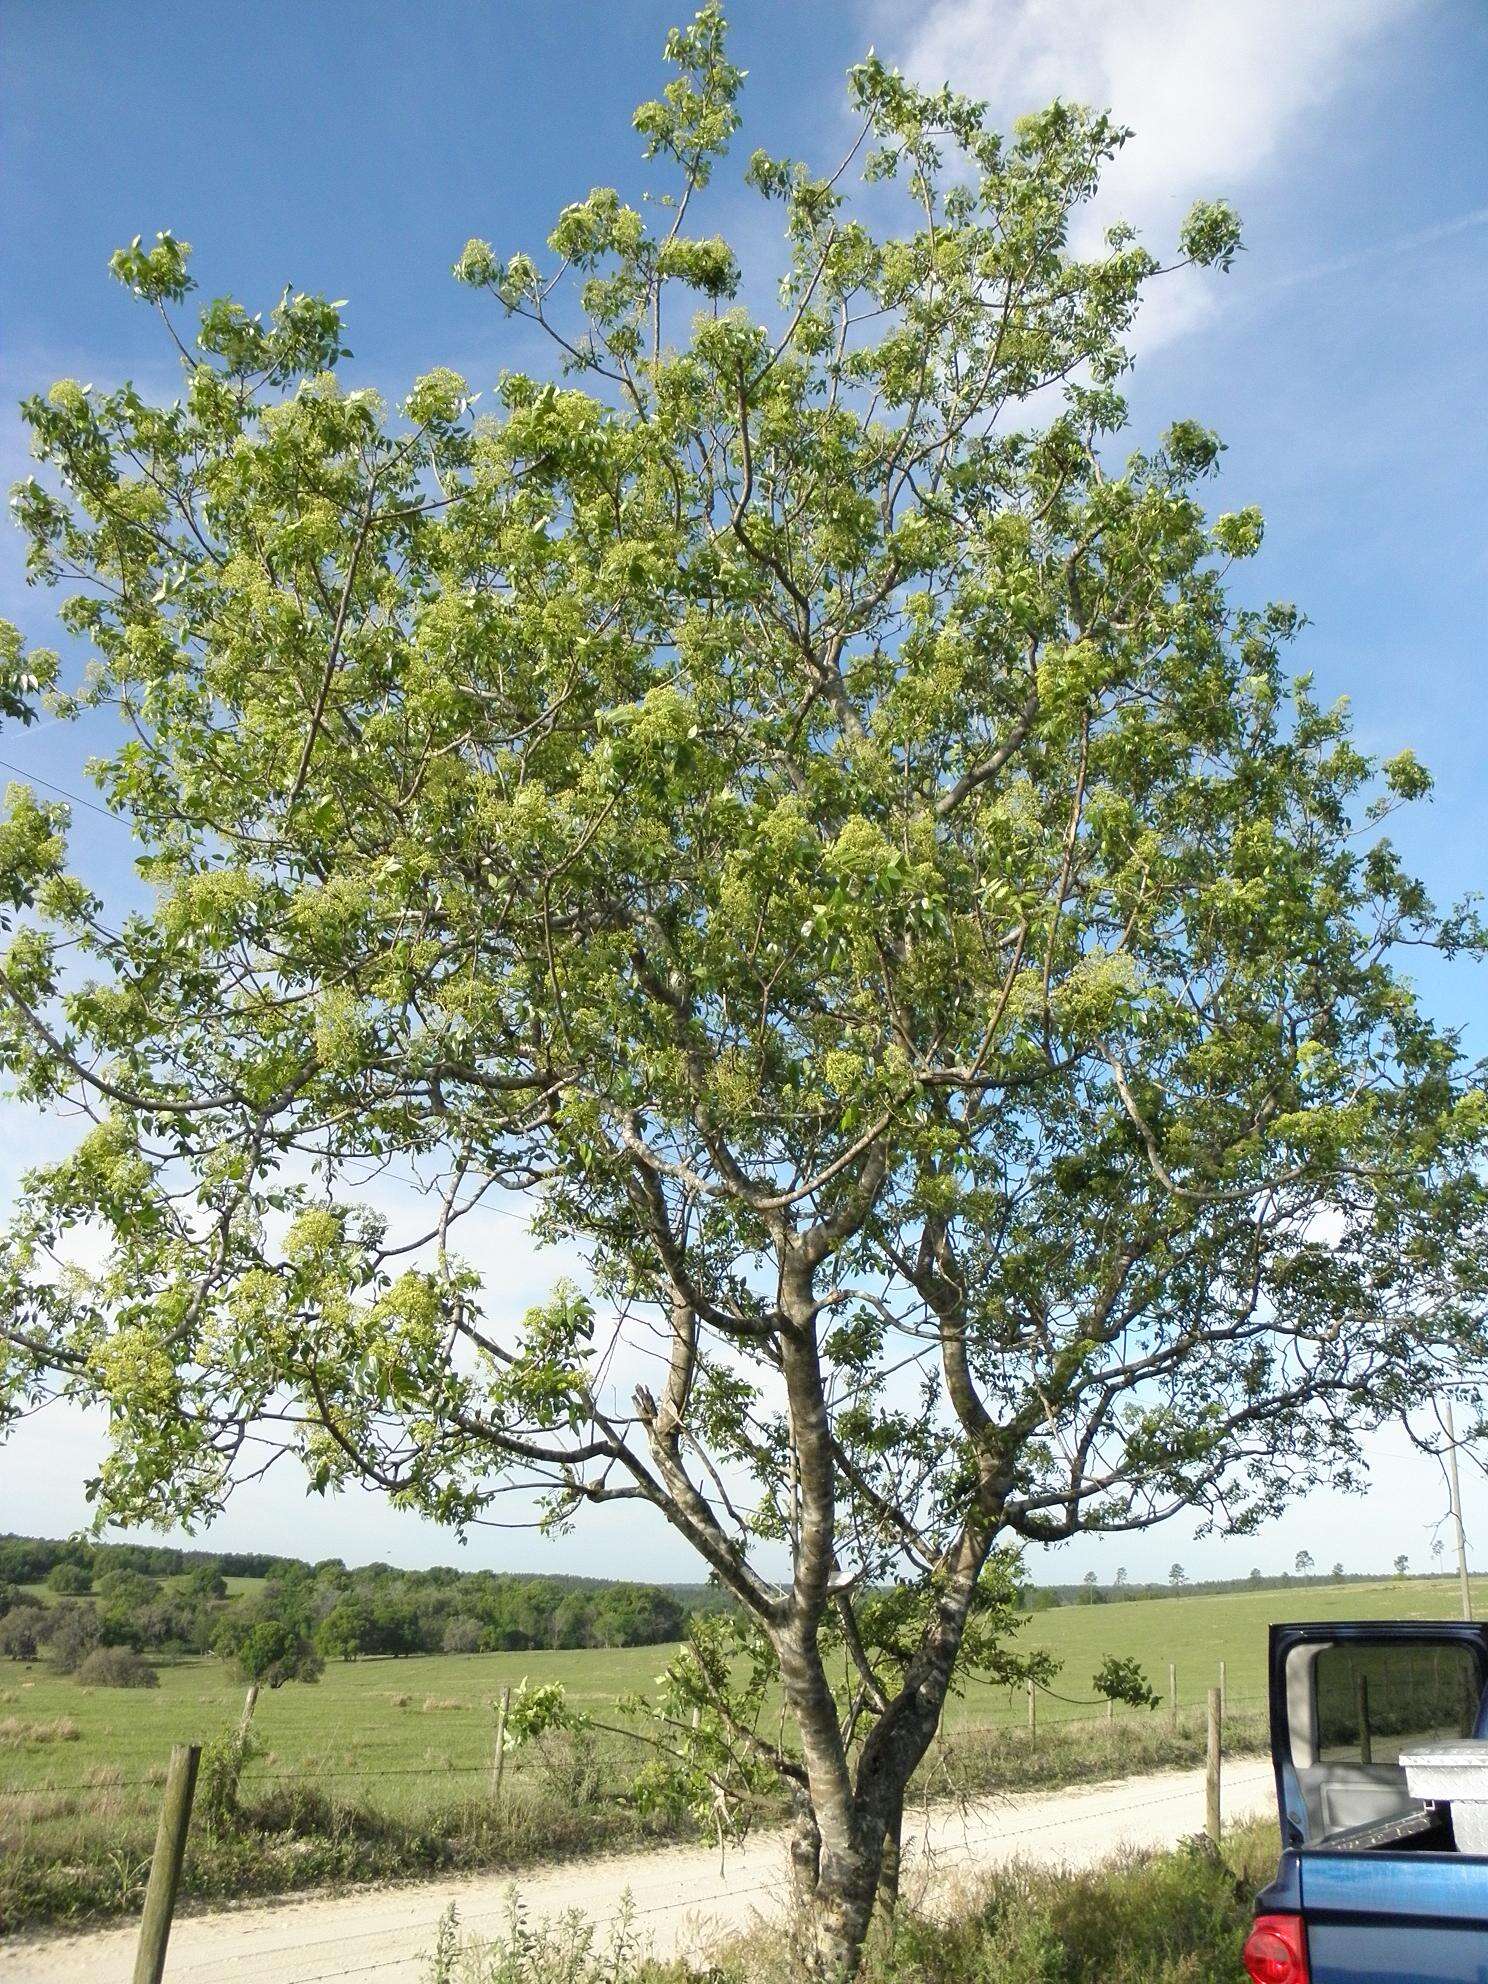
x=353, y=146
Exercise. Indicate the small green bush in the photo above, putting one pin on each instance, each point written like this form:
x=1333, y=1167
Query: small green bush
x=567, y=1950
x=223, y=1761
x=117, y=1667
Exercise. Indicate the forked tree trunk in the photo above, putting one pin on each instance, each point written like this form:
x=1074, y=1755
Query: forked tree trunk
x=846, y=1847
x=846, y=1882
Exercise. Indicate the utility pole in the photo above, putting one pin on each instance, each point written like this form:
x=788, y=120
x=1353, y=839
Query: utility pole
x=1454, y=1490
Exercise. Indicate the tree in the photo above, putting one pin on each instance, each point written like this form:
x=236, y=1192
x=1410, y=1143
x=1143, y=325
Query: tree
x=270, y=1653
x=23, y=1631
x=1177, y=1577
x=1303, y=1563
x=206, y=1581
x=69, y=1578
x=464, y=1635
x=344, y=1631
x=177, y=1623
x=799, y=801
x=72, y=1632
x=1255, y=1574
x=1121, y=1574
x=1402, y=1565
x=1338, y=1570
x=127, y=1588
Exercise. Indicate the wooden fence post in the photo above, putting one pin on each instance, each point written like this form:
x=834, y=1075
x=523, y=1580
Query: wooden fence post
x=498, y=1761
x=1366, y=1740
x=165, y=1867
x=1032, y=1707
x=1173, y=1694
x=1211, y=1775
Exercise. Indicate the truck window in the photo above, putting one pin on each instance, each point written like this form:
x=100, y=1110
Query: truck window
x=1374, y=1701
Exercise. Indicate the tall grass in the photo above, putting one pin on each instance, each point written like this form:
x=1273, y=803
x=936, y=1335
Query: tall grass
x=73, y=1857
x=1142, y=1918
x=83, y=1853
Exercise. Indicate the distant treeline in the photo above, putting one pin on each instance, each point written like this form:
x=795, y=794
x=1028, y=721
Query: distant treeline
x=156, y=1598
x=32, y=1559
x=1045, y=1597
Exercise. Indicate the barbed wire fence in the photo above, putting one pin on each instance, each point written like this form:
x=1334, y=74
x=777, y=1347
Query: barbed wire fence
x=488, y=1779
x=966, y=1721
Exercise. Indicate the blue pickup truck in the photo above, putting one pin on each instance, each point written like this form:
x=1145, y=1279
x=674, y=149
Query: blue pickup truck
x=1374, y=1886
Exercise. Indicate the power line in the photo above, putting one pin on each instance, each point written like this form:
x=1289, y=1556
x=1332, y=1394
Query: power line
x=51, y=785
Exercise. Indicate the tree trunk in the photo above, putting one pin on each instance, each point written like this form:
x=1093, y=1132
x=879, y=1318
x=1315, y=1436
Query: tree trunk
x=841, y=1911
x=844, y=1886
x=886, y=1901
x=805, y=1850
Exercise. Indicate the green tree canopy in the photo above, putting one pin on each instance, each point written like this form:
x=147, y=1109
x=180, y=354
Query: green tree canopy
x=793, y=793
x=274, y=1651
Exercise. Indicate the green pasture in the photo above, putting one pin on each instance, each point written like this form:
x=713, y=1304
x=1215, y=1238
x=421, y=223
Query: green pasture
x=419, y=1729
x=1195, y=1633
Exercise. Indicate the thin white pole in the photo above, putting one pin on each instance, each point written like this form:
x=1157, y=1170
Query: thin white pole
x=1454, y=1487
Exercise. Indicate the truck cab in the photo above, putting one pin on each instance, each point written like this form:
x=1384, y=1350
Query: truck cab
x=1372, y=1887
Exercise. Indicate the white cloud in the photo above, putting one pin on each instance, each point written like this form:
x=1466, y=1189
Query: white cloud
x=1216, y=91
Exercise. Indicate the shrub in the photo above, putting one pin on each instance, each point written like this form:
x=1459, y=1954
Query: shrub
x=567, y=1950
x=117, y=1667
x=1141, y=1918
x=222, y=1764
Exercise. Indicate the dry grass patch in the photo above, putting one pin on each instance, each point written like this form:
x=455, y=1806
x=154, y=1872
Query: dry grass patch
x=18, y=1735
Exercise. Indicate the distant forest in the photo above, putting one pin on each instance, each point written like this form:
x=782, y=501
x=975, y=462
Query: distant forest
x=154, y=1598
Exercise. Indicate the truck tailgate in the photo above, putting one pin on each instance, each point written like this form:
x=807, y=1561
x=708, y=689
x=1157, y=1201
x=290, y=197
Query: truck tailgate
x=1376, y=1918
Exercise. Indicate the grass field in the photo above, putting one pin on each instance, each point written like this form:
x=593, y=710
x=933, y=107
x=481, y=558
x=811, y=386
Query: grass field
x=433, y=1715
x=414, y=1722
x=1196, y=1633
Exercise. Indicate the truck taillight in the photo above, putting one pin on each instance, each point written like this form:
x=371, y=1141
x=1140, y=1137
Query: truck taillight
x=1276, y=1950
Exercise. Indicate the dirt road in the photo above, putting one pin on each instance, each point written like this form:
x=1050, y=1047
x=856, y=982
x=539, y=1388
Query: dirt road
x=681, y=1898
